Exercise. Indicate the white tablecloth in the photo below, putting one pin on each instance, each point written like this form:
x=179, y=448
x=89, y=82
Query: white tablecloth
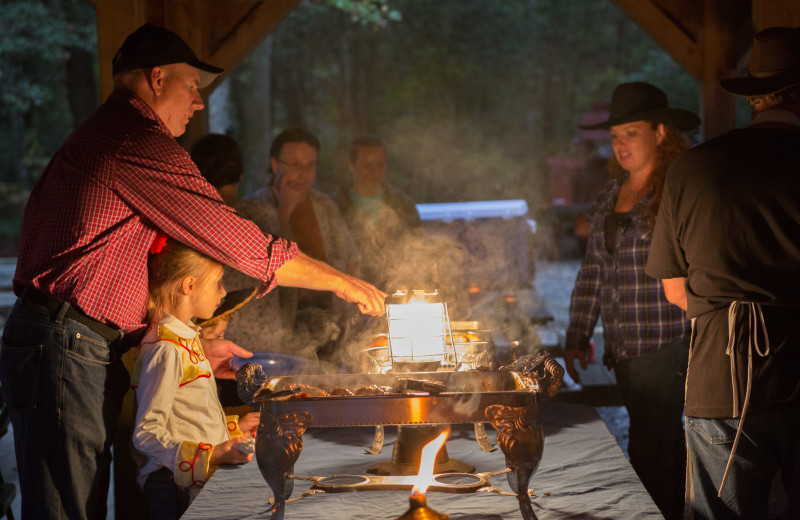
x=583, y=474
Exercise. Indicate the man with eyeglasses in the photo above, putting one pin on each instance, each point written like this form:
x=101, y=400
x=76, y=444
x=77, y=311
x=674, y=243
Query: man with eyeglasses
x=311, y=219
x=379, y=215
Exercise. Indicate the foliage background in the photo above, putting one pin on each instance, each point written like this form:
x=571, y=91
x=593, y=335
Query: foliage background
x=471, y=96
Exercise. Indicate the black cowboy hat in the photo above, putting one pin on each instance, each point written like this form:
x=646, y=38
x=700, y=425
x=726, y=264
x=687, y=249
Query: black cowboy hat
x=774, y=63
x=639, y=101
x=151, y=46
x=233, y=301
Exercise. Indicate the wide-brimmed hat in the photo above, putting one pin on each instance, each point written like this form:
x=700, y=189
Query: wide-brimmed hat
x=233, y=301
x=774, y=63
x=151, y=46
x=639, y=101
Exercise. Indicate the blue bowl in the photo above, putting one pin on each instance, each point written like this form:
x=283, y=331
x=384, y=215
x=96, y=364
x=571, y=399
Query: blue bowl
x=277, y=364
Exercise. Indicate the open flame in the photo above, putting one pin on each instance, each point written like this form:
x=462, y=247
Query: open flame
x=429, y=451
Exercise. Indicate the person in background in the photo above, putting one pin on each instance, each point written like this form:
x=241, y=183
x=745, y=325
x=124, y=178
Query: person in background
x=182, y=434
x=377, y=214
x=312, y=219
x=646, y=338
x=81, y=275
x=216, y=327
x=725, y=247
x=588, y=182
x=219, y=159
x=289, y=207
x=259, y=327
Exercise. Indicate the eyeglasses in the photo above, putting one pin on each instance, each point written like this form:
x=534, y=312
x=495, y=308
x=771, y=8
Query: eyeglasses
x=299, y=168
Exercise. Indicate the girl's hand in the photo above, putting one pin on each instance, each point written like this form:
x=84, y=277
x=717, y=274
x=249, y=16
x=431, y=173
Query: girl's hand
x=248, y=423
x=226, y=453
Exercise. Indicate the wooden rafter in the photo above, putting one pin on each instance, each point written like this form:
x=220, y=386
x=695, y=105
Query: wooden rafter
x=239, y=41
x=676, y=40
x=222, y=32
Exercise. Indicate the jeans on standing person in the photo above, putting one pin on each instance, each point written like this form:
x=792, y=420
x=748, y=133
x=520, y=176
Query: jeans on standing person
x=652, y=387
x=769, y=442
x=64, y=390
x=167, y=500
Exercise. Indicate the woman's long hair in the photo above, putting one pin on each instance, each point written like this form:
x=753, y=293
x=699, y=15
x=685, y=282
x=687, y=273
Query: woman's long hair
x=674, y=144
x=166, y=271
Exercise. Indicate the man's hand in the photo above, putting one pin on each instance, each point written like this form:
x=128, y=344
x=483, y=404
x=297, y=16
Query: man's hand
x=307, y=273
x=369, y=298
x=219, y=353
x=226, y=453
x=570, y=355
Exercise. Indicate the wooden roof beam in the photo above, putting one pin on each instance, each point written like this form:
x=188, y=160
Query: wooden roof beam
x=194, y=21
x=666, y=33
x=719, y=41
x=244, y=37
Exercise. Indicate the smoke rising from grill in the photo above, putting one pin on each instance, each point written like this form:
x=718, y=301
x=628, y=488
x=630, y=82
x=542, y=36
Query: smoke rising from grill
x=491, y=256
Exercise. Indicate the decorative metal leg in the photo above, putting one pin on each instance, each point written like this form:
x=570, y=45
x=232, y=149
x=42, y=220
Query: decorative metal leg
x=377, y=441
x=520, y=437
x=278, y=445
x=482, y=438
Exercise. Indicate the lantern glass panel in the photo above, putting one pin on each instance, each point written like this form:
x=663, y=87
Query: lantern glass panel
x=417, y=331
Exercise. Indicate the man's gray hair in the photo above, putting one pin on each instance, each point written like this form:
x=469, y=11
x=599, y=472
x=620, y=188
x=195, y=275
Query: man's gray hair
x=787, y=96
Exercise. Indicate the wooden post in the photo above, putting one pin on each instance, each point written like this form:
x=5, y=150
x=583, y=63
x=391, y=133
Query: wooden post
x=717, y=39
x=116, y=19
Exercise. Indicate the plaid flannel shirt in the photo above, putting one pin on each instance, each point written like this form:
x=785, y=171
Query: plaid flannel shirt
x=96, y=209
x=637, y=318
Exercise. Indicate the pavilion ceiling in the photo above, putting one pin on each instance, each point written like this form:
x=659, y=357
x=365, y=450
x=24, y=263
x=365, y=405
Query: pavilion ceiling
x=710, y=39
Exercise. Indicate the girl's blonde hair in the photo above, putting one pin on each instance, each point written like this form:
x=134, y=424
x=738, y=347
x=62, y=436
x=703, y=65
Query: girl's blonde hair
x=674, y=144
x=166, y=271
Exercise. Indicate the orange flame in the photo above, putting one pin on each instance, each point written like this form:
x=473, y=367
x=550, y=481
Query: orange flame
x=425, y=476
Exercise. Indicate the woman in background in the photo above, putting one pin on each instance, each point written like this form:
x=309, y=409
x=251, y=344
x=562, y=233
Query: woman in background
x=646, y=337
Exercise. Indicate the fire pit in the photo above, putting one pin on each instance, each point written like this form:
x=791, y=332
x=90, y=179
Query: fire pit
x=506, y=398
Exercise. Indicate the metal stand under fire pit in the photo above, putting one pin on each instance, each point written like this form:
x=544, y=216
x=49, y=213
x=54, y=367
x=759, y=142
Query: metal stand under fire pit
x=508, y=399
x=407, y=451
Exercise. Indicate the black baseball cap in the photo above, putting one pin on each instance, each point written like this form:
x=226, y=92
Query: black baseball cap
x=151, y=46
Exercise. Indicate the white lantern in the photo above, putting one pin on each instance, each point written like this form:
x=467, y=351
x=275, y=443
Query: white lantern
x=419, y=330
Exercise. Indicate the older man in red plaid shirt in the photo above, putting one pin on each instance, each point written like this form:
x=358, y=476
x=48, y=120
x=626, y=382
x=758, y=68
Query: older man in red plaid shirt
x=81, y=276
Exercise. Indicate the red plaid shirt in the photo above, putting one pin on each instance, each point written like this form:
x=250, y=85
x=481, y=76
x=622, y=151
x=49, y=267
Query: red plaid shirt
x=96, y=209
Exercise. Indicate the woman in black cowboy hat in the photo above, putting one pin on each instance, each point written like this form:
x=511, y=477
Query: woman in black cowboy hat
x=646, y=337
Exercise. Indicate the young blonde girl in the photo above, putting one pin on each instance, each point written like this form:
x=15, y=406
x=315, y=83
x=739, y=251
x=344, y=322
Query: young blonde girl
x=181, y=431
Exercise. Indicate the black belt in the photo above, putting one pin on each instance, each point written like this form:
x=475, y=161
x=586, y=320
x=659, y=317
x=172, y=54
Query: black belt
x=36, y=300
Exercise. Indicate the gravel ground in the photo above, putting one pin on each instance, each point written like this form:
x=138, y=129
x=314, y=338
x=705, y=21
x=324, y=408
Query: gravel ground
x=554, y=283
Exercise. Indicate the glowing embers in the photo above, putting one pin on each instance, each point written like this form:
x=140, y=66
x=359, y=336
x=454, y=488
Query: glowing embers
x=419, y=331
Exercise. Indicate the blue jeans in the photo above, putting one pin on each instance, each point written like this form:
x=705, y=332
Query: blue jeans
x=770, y=441
x=64, y=390
x=652, y=388
x=166, y=499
